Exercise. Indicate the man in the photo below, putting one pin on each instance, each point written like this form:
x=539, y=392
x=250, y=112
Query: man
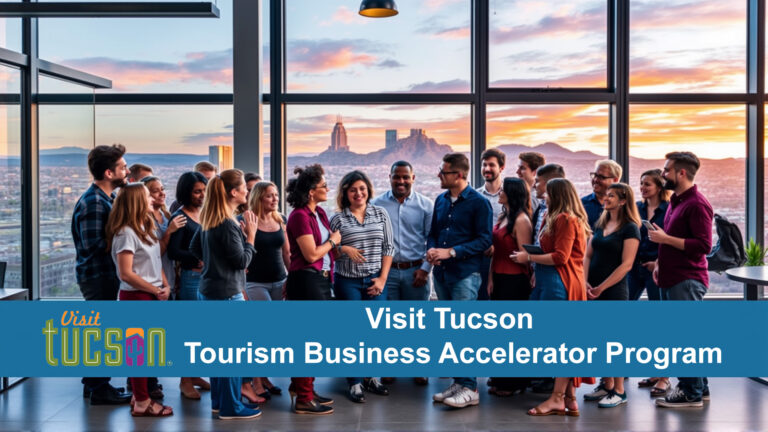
x=544, y=174
x=460, y=233
x=410, y=214
x=494, y=161
x=250, y=180
x=681, y=268
x=96, y=273
x=207, y=169
x=526, y=171
x=607, y=172
x=138, y=171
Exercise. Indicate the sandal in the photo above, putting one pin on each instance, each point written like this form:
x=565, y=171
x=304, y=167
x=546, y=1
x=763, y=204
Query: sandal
x=568, y=411
x=648, y=382
x=537, y=411
x=660, y=391
x=164, y=411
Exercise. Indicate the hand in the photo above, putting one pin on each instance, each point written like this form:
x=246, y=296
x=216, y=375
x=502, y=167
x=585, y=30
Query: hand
x=420, y=278
x=335, y=237
x=655, y=273
x=250, y=225
x=520, y=257
x=489, y=252
x=490, y=286
x=356, y=255
x=658, y=235
x=378, y=286
x=163, y=293
x=650, y=266
x=438, y=254
x=593, y=293
x=199, y=265
x=177, y=223
x=284, y=294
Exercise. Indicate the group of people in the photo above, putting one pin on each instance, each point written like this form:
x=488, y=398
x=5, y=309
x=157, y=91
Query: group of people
x=515, y=238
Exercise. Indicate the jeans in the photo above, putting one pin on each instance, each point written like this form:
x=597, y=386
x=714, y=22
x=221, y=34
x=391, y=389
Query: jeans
x=470, y=383
x=549, y=284
x=356, y=288
x=400, y=285
x=189, y=284
x=639, y=279
x=465, y=289
x=98, y=290
x=485, y=268
x=265, y=291
x=691, y=290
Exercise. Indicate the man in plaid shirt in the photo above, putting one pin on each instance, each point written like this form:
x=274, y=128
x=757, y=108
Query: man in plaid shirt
x=95, y=269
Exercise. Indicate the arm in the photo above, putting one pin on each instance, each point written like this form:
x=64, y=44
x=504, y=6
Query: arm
x=564, y=233
x=309, y=250
x=126, y=274
x=236, y=251
x=286, y=250
x=196, y=246
x=627, y=260
x=91, y=223
x=182, y=254
x=587, y=260
x=483, y=223
x=173, y=225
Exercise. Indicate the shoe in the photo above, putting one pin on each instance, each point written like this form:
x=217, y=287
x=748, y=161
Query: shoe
x=275, y=390
x=705, y=395
x=108, y=395
x=266, y=395
x=188, y=390
x=355, y=393
x=156, y=393
x=87, y=390
x=421, y=381
x=322, y=400
x=660, y=388
x=598, y=393
x=568, y=411
x=612, y=400
x=374, y=386
x=312, y=407
x=450, y=391
x=387, y=380
x=678, y=399
x=161, y=411
x=647, y=382
x=463, y=398
x=201, y=383
x=246, y=413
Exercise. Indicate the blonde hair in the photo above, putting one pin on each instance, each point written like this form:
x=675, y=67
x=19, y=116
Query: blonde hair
x=131, y=209
x=215, y=204
x=254, y=200
x=563, y=199
x=627, y=213
x=615, y=168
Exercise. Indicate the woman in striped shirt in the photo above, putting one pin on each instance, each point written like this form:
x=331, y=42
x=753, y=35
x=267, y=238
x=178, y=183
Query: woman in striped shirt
x=364, y=256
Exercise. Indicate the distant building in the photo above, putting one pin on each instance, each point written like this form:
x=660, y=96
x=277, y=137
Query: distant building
x=221, y=156
x=391, y=138
x=338, y=137
x=418, y=132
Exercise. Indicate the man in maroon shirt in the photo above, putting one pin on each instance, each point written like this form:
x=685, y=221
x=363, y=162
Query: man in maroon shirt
x=681, y=268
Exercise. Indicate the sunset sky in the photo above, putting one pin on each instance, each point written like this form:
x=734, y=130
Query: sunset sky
x=676, y=46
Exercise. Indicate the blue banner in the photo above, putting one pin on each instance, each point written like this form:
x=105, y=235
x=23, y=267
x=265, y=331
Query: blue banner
x=335, y=338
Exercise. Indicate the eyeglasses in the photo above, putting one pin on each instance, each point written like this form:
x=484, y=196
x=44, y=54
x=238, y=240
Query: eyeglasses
x=442, y=173
x=593, y=176
x=322, y=186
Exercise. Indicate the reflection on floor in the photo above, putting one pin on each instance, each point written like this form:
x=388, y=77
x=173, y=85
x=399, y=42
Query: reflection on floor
x=56, y=404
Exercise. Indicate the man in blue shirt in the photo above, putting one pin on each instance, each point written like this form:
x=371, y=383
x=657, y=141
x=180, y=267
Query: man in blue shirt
x=607, y=172
x=460, y=233
x=96, y=273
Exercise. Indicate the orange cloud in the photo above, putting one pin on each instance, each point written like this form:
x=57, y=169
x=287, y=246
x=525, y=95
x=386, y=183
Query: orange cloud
x=452, y=33
x=704, y=14
x=310, y=56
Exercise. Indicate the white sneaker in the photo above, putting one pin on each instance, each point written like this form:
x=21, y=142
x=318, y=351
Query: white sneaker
x=462, y=398
x=612, y=400
x=450, y=391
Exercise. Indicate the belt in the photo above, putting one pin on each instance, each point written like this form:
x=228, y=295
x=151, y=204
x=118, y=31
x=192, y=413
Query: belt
x=407, y=264
x=324, y=273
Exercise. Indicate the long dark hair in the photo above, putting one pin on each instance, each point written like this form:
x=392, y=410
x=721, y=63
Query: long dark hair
x=518, y=201
x=342, y=200
x=298, y=188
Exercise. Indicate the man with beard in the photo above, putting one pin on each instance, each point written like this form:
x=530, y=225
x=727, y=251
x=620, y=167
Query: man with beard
x=410, y=214
x=493, y=165
x=681, y=268
x=607, y=172
x=96, y=273
x=460, y=233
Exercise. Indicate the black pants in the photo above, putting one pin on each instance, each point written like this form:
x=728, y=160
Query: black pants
x=511, y=287
x=98, y=290
x=307, y=284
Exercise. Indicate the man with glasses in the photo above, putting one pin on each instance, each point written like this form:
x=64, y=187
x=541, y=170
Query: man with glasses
x=607, y=172
x=460, y=233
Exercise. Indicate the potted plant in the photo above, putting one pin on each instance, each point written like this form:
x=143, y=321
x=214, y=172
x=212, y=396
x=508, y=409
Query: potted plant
x=756, y=254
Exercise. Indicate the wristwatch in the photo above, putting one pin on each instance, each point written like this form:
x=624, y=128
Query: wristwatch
x=452, y=252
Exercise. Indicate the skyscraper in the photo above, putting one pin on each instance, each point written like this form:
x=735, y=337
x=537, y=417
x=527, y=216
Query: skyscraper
x=390, y=138
x=338, y=137
x=221, y=156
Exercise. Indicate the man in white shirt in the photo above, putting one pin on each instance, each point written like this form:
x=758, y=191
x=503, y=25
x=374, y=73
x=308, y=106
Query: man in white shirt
x=493, y=165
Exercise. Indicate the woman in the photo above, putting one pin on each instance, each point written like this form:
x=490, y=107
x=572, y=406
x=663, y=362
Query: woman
x=190, y=193
x=311, y=265
x=165, y=225
x=364, y=256
x=226, y=248
x=265, y=278
x=653, y=208
x=610, y=255
x=560, y=275
x=130, y=233
x=509, y=280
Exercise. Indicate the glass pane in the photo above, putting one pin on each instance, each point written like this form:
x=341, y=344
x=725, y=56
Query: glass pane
x=174, y=55
x=423, y=134
x=536, y=44
x=688, y=46
x=10, y=34
x=332, y=49
x=10, y=175
x=574, y=136
x=265, y=144
x=716, y=134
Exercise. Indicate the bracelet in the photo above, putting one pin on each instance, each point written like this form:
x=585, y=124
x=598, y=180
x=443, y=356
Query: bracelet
x=529, y=257
x=333, y=245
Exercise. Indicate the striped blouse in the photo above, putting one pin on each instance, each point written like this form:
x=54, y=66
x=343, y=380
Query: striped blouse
x=374, y=237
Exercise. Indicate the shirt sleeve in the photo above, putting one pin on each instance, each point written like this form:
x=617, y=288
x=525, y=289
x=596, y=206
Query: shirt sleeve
x=335, y=223
x=298, y=224
x=483, y=223
x=178, y=253
x=235, y=249
x=388, y=244
x=91, y=224
x=564, y=232
x=433, y=234
x=429, y=208
x=700, y=223
x=196, y=245
x=631, y=231
x=125, y=241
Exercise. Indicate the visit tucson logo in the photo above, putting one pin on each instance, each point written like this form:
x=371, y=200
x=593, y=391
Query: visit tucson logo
x=80, y=339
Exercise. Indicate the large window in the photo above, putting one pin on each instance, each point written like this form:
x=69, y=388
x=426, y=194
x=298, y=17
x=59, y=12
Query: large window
x=10, y=175
x=10, y=33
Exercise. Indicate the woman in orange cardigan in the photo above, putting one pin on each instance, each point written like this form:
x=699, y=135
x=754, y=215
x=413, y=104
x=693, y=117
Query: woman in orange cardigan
x=560, y=274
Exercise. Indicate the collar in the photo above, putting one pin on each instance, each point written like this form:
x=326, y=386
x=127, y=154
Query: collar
x=685, y=195
x=390, y=196
x=593, y=197
x=99, y=191
x=484, y=191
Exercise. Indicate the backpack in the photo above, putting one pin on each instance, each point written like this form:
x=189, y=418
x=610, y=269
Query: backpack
x=728, y=252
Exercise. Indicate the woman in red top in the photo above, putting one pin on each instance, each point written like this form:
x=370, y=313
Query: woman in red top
x=560, y=274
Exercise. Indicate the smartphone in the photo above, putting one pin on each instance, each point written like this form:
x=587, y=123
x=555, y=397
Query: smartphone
x=533, y=250
x=648, y=226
